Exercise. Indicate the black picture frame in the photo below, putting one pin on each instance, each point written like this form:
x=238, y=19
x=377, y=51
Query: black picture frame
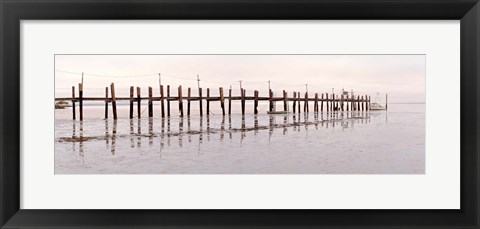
x=13, y=11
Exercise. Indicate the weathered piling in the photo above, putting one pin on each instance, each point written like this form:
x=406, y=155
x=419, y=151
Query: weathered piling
x=326, y=102
x=73, y=103
x=305, y=104
x=230, y=101
x=333, y=103
x=363, y=108
x=114, y=101
x=347, y=105
x=358, y=103
x=180, y=101
x=150, y=102
x=139, y=102
x=222, y=100
x=285, y=101
x=298, y=102
x=386, y=101
x=321, y=104
x=255, y=103
x=350, y=99
x=366, y=102
x=200, y=101
x=294, y=101
x=243, y=100
x=208, y=101
x=106, y=102
x=189, y=95
x=341, y=102
x=270, y=101
x=131, y=102
x=352, y=107
x=168, y=101
x=315, y=104
x=80, y=100
x=162, y=98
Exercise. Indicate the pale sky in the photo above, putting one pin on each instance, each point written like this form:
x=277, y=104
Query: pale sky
x=401, y=76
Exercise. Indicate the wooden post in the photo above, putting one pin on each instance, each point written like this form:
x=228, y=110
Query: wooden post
x=294, y=101
x=270, y=102
x=358, y=103
x=321, y=104
x=386, y=101
x=363, y=107
x=229, y=101
x=326, y=102
x=352, y=103
x=131, y=102
x=366, y=102
x=243, y=101
x=200, y=100
x=168, y=100
x=73, y=103
x=341, y=102
x=106, y=102
x=150, y=102
x=305, y=105
x=189, y=94
x=180, y=100
x=315, y=105
x=347, y=103
x=222, y=100
x=114, y=101
x=255, y=103
x=162, y=101
x=285, y=101
x=80, y=100
x=298, y=102
x=208, y=101
x=333, y=102
x=139, y=102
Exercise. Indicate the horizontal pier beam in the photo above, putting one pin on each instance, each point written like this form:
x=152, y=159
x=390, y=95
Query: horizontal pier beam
x=197, y=98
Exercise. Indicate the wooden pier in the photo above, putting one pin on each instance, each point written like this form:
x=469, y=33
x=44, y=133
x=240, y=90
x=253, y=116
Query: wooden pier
x=328, y=103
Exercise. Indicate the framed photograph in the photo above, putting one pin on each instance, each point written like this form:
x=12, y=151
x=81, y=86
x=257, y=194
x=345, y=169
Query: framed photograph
x=239, y=114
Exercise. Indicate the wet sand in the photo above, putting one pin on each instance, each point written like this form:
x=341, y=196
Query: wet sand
x=374, y=142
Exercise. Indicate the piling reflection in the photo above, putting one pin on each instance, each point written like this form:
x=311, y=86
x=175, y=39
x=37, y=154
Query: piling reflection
x=132, y=141
x=150, y=131
x=139, y=133
x=114, y=137
x=80, y=145
x=238, y=127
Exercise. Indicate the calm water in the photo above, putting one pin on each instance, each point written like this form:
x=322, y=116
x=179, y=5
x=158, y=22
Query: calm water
x=375, y=142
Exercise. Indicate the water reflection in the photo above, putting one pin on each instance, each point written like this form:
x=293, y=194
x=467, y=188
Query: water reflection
x=114, y=137
x=132, y=141
x=180, y=131
x=139, y=133
x=217, y=128
x=80, y=145
x=150, y=131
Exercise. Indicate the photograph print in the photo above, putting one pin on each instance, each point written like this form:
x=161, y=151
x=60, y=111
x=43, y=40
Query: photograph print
x=239, y=114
